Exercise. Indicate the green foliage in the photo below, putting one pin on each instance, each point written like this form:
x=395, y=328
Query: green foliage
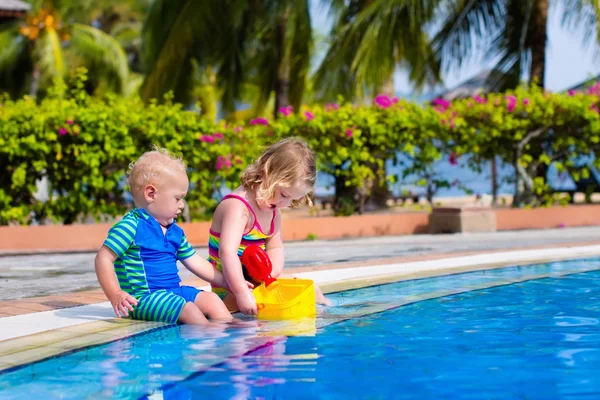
x=83, y=145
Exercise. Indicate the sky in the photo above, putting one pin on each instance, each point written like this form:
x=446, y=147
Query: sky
x=568, y=63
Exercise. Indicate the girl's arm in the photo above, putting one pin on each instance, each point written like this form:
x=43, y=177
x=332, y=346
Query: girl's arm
x=275, y=248
x=233, y=224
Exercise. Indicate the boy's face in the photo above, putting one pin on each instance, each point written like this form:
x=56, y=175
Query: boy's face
x=284, y=196
x=165, y=199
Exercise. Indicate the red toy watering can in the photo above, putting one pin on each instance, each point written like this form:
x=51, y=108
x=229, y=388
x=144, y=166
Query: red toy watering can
x=258, y=264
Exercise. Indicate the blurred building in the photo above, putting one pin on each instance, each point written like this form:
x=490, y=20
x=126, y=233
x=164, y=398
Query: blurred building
x=13, y=9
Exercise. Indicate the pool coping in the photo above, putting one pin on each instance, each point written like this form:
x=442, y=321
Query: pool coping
x=18, y=351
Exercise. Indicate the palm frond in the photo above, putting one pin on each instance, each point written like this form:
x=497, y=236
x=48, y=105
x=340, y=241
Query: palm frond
x=15, y=63
x=300, y=51
x=467, y=24
x=103, y=53
x=512, y=46
x=583, y=15
x=48, y=56
x=172, y=34
x=334, y=76
x=393, y=31
x=230, y=54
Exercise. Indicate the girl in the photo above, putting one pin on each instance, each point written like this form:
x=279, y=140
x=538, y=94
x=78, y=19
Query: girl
x=283, y=176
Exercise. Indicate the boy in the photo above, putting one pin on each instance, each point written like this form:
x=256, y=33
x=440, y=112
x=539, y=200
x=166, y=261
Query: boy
x=144, y=248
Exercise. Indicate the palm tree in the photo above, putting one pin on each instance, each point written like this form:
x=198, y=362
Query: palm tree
x=370, y=38
x=41, y=49
x=266, y=44
x=512, y=31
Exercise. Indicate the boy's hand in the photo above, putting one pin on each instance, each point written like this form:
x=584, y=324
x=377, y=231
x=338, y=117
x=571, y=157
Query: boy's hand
x=122, y=303
x=247, y=303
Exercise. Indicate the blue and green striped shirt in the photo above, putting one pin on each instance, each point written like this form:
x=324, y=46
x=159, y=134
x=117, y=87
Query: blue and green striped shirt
x=147, y=257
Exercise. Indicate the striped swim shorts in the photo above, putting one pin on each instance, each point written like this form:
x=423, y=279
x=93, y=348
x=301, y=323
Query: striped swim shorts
x=164, y=305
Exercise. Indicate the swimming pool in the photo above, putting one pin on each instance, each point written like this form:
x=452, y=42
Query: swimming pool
x=524, y=332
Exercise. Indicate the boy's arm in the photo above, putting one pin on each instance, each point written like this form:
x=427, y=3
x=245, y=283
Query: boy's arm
x=121, y=302
x=204, y=270
x=274, y=248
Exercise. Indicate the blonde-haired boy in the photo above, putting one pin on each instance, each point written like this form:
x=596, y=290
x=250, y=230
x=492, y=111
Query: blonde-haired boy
x=137, y=264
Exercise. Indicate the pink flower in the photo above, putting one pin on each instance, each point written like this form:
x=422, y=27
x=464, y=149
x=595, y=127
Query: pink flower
x=219, y=163
x=395, y=100
x=63, y=131
x=218, y=135
x=455, y=183
x=595, y=108
x=511, y=102
x=440, y=104
x=562, y=225
x=453, y=159
x=287, y=111
x=349, y=133
x=69, y=122
x=594, y=89
x=309, y=116
x=331, y=107
x=572, y=92
x=479, y=99
x=383, y=101
x=259, y=121
x=223, y=162
x=206, y=139
x=525, y=101
x=470, y=104
x=237, y=129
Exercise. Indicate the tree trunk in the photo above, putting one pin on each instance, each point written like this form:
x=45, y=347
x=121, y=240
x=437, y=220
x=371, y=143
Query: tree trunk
x=282, y=80
x=538, y=28
x=388, y=87
x=35, y=82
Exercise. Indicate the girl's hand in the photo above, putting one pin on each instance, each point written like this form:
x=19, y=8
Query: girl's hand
x=247, y=303
x=228, y=288
x=122, y=303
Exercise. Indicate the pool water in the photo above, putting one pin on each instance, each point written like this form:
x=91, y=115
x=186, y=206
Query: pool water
x=526, y=333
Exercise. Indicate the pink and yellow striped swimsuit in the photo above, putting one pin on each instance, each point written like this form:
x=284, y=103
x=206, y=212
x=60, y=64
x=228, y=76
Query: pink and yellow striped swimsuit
x=255, y=236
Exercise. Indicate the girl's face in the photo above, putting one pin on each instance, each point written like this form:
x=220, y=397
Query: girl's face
x=284, y=196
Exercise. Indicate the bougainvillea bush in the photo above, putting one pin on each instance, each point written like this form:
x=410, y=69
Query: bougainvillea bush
x=83, y=145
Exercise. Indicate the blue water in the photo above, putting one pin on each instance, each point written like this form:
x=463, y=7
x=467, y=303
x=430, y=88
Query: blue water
x=526, y=332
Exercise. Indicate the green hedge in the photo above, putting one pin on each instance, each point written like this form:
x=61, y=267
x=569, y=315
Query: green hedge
x=83, y=145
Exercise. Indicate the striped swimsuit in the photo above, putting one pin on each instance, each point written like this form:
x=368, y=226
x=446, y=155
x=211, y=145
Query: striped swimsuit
x=146, y=265
x=255, y=236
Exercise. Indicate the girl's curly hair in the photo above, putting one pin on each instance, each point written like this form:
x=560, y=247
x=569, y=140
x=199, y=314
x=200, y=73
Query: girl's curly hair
x=287, y=163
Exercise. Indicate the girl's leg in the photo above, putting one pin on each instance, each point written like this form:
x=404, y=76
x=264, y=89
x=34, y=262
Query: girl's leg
x=191, y=314
x=231, y=303
x=211, y=305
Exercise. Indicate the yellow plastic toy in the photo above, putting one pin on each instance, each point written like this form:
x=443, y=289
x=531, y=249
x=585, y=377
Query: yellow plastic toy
x=278, y=298
x=286, y=299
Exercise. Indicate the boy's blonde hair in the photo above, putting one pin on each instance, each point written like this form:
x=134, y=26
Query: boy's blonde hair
x=286, y=163
x=151, y=167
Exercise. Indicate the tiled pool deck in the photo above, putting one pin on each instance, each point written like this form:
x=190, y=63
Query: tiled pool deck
x=34, y=328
